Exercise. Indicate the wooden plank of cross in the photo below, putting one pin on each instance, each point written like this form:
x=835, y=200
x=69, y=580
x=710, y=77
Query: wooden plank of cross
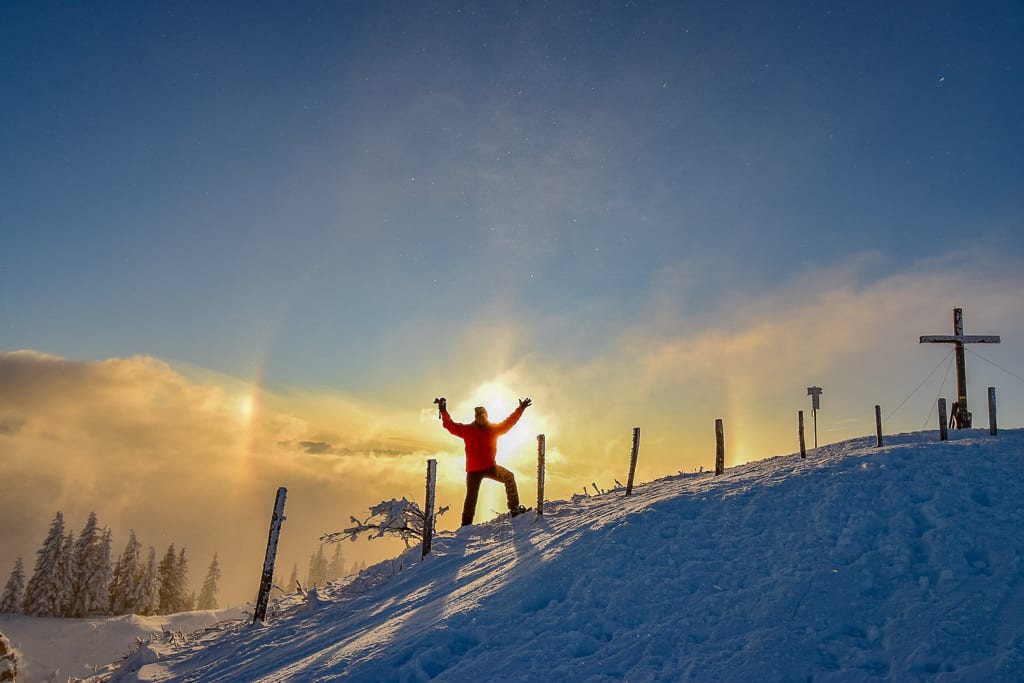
x=958, y=339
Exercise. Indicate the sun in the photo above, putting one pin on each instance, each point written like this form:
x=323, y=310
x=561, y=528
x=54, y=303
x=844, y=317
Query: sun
x=517, y=449
x=494, y=395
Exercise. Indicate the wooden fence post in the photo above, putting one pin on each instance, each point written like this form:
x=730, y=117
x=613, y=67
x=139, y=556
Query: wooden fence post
x=878, y=424
x=267, y=578
x=719, y=447
x=803, y=444
x=943, y=427
x=632, y=460
x=428, y=511
x=540, y=474
x=992, y=428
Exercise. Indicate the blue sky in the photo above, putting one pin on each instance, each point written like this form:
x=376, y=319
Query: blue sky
x=636, y=212
x=271, y=186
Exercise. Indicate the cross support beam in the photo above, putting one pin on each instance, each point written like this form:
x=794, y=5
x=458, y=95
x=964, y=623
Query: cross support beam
x=962, y=339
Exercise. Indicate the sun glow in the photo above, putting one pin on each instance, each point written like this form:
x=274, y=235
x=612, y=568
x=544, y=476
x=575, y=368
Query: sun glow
x=517, y=449
x=246, y=407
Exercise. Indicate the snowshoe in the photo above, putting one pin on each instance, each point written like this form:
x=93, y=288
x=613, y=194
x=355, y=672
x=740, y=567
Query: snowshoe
x=518, y=510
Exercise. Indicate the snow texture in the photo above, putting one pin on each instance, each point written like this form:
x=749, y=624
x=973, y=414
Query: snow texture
x=900, y=563
x=78, y=647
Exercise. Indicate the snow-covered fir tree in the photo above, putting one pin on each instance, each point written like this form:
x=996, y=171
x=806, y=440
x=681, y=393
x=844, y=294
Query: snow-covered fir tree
x=186, y=598
x=208, y=592
x=67, y=574
x=172, y=575
x=105, y=547
x=336, y=567
x=147, y=598
x=91, y=571
x=48, y=591
x=317, y=574
x=167, y=581
x=124, y=582
x=14, y=591
x=293, y=579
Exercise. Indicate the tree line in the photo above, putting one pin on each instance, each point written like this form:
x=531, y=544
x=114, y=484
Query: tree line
x=75, y=578
x=321, y=571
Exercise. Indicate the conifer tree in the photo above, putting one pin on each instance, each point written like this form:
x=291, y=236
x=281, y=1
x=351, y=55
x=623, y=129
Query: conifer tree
x=336, y=568
x=124, y=583
x=208, y=593
x=293, y=579
x=167, y=580
x=173, y=594
x=186, y=598
x=67, y=574
x=47, y=592
x=91, y=571
x=317, y=575
x=103, y=558
x=14, y=591
x=147, y=598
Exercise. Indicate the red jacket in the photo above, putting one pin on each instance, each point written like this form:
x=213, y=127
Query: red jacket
x=481, y=441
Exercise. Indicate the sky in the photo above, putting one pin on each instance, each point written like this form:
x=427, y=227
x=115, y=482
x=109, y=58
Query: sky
x=245, y=246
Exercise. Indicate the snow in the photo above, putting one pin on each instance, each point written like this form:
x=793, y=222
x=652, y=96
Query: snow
x=77, y=647
x=900, y=563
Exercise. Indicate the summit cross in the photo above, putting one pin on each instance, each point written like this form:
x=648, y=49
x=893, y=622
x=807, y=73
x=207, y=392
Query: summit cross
x=958, y=339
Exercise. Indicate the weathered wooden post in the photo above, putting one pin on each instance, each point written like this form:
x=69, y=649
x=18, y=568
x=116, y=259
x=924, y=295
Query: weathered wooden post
x=943, y=433
x=719, y=447
x=992, y=429
x=267, y=579
x=632, y=460
x=540, y=474
x=803, y=444
x=878, y=424
x=428, y=511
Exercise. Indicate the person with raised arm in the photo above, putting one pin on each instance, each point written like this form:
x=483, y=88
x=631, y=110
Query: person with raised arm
x=481, y=439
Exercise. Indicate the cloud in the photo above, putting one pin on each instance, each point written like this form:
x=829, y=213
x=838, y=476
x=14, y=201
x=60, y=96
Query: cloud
x=319, y=447
x=196, y=464
x=11, y=424
x=325, y=448
x=749, y=359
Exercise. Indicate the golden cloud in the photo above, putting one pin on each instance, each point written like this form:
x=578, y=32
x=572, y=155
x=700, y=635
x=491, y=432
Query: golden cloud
x=196, y=464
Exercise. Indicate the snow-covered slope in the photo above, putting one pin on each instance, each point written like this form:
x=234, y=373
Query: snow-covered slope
x=77, y=647
x=902, y=563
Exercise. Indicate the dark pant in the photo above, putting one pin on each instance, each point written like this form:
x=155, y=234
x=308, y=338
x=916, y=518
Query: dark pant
x=473, y=479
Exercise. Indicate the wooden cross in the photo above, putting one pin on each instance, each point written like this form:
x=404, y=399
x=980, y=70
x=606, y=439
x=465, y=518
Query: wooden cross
x=958, y=338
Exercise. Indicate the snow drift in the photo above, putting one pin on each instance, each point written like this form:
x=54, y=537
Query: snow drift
x=858, y=563
x=56, y=649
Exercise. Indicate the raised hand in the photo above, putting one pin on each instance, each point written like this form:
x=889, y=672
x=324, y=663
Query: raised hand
x=525, y=403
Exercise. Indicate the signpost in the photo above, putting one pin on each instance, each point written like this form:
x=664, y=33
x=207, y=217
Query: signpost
x=815, y=394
